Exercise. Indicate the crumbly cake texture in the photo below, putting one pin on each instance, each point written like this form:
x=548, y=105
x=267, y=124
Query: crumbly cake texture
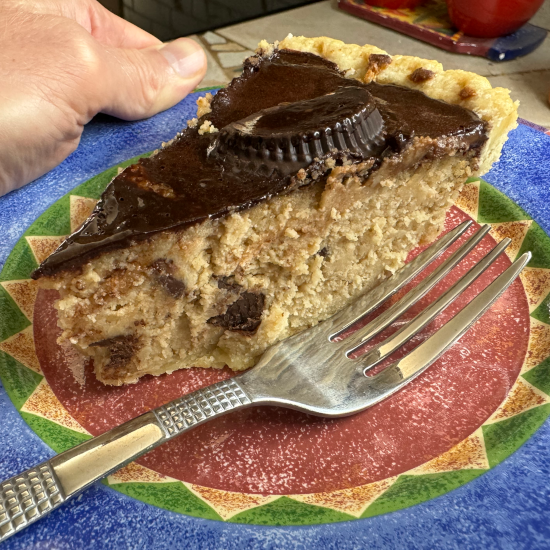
x=222, y=291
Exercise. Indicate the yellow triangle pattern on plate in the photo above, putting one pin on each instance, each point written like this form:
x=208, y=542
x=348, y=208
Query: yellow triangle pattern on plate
x=536, y=282
x=42, y=247
x=21, y=347
x=539, y=345
x=353, y=501
x=515, y=231
x=227, y=504
x=522, y=397
x=137, y=473
x=469, y=454
x=43, y=402
x=23, y=293
x=468, y=200
x=80, y=208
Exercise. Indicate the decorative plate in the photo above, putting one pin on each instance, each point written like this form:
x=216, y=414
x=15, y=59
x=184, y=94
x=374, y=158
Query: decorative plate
x=269, y=466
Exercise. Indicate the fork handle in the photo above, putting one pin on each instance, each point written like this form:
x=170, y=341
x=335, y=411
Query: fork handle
x=34, y=493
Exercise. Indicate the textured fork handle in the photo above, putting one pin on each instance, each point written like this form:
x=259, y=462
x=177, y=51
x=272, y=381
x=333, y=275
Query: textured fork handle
x=30, y=495
x=197, y=407
x=27, y=497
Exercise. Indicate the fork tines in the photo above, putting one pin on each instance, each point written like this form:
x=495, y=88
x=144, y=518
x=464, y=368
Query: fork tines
x=352, y=344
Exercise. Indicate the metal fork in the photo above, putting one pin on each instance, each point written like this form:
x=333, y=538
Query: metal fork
x=312, y=372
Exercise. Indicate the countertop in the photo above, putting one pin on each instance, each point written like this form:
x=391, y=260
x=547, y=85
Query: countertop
x=527, y=77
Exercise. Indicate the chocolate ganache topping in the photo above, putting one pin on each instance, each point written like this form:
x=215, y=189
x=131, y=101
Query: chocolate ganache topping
x=287, y=112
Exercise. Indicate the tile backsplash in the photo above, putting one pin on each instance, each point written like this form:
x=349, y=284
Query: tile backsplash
x=168, y=19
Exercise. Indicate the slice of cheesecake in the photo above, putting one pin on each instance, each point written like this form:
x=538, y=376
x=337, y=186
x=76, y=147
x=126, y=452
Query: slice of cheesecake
x=300, y=186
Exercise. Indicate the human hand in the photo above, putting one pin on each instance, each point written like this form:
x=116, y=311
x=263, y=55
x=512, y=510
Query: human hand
x=62, y=62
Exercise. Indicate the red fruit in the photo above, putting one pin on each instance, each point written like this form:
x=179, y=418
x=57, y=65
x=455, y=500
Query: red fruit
x=491, y=18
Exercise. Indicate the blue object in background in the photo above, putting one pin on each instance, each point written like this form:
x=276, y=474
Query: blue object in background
x=525, y=40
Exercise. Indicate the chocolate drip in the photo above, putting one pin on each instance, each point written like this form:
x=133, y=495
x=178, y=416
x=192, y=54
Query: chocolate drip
x=183, y=184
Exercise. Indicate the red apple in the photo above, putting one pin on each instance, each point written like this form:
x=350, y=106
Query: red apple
x=491, y=18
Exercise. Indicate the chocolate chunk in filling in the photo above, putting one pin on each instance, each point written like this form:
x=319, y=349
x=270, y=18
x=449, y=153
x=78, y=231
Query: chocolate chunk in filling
x=121, y=349
x=163, y=270
x=245, y=314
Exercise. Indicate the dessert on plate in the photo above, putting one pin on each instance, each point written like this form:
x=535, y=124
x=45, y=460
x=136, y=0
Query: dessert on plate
x=298, y=187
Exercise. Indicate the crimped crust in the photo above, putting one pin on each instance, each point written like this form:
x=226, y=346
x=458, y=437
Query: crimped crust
x=463, y=88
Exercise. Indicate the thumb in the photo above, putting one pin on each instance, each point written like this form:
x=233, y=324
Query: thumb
x=138, y=83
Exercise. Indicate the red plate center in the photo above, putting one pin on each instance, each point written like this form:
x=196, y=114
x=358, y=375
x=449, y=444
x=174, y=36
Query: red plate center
x=276, y=451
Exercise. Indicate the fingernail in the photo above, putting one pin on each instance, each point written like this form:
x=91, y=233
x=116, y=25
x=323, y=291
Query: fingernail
x=185, y=56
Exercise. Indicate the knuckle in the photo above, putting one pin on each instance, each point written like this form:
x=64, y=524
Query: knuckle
x=77, y=71
x=150, y=84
